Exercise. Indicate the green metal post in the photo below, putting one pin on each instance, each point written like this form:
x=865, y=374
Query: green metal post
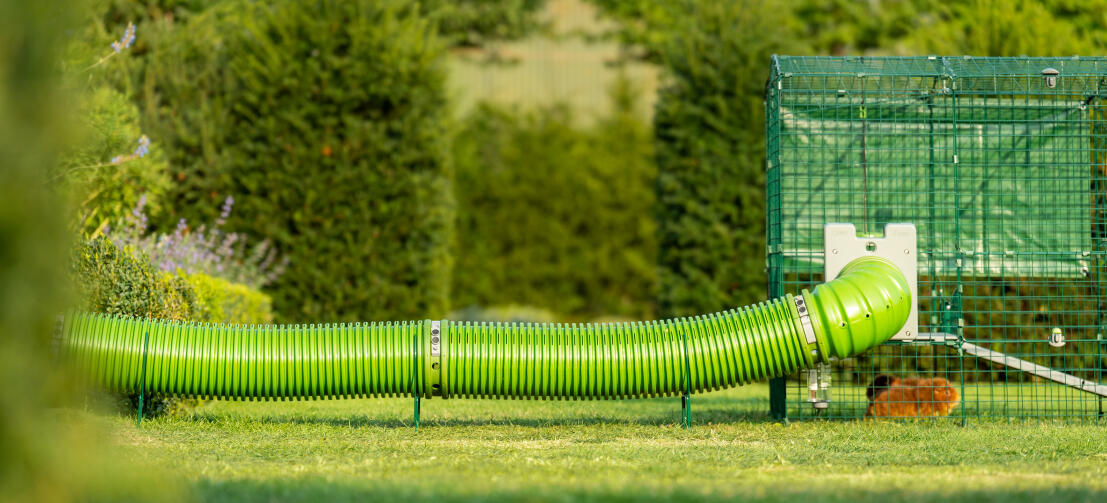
x=142, y=383
x=778, y=398
x=686, y=398
x=415, y=376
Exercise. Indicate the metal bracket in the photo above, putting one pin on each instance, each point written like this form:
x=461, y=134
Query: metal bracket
x=434, y=373
x=899, y=245
x=436, y=339
x=805, y=320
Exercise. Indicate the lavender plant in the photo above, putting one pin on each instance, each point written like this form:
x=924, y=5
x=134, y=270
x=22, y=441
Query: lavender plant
x=207, y=250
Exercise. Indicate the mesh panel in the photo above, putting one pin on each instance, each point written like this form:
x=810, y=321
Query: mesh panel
x=1002, y=175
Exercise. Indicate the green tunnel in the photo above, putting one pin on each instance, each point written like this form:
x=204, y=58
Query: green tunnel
x=861, y=308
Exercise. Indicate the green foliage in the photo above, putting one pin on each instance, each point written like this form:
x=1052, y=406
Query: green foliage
x=98, y=189
x=974, y=27
x=122, y=282
x=463, y=23
x=117, y=13
x=220, y=301
x=847, y=27
x=1013, y=28
x=476, y=23
x=709, y=124
x=642, y=27
x=553, y=215
x=102, y=192
x=326, y=121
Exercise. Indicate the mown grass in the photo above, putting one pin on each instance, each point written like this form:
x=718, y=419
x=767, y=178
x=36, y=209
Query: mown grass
x=483, y=450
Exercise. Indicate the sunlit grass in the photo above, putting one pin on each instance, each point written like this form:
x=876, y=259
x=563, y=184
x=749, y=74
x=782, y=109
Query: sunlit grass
x=364, y=450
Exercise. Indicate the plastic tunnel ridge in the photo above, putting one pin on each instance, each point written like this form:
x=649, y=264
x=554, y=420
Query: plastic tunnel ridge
x=860, y=309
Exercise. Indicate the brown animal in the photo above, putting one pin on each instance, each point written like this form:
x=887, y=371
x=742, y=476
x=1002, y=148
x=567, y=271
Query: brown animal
x=911, y=397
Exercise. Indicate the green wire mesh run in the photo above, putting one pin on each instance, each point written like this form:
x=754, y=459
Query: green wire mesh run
x=1002, y=170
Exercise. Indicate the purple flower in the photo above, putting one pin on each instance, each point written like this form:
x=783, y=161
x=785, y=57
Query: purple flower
x=127, y=39
x=228, y=203
x=143, y=147
x=225, y=213
x=202, y=250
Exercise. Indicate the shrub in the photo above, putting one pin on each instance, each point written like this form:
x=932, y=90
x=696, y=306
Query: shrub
x=709, y=124
x=122, y=281
x=476, y=23
x=326, y=120
x=554, y=215
x=102, y=173
x=220, y=301
x=119, y=281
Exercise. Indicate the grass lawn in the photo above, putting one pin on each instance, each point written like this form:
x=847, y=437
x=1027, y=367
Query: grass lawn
x=469, y=450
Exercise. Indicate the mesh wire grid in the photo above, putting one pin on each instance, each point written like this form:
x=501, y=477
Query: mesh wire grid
x=1002, y=172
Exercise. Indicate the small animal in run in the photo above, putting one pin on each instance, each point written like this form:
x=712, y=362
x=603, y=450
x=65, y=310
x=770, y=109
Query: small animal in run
x=911, y=397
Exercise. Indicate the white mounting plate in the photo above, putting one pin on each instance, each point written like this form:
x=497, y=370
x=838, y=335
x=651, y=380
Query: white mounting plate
x=899, y=245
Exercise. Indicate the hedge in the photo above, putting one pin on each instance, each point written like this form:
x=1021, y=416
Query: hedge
x=555, y=215
x=325, y=120
x=709, y=126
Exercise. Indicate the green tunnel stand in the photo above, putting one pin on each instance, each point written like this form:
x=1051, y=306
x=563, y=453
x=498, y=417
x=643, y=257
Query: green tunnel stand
x=415, y=379
x=686, y=397
x=142, y=382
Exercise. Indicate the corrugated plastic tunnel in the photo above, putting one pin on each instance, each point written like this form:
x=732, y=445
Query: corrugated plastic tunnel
x=861, y=308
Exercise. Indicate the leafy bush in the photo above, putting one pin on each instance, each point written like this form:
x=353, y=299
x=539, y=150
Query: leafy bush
x=120, y=281
x=326, y=120
x=709, y=124
x=555, y=215
x=103, y=173
x=220, y=301
x=475, y=23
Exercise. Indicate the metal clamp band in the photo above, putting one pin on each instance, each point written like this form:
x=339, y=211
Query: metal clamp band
x=805, y=319
x=435, y=370
x=436, y=338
